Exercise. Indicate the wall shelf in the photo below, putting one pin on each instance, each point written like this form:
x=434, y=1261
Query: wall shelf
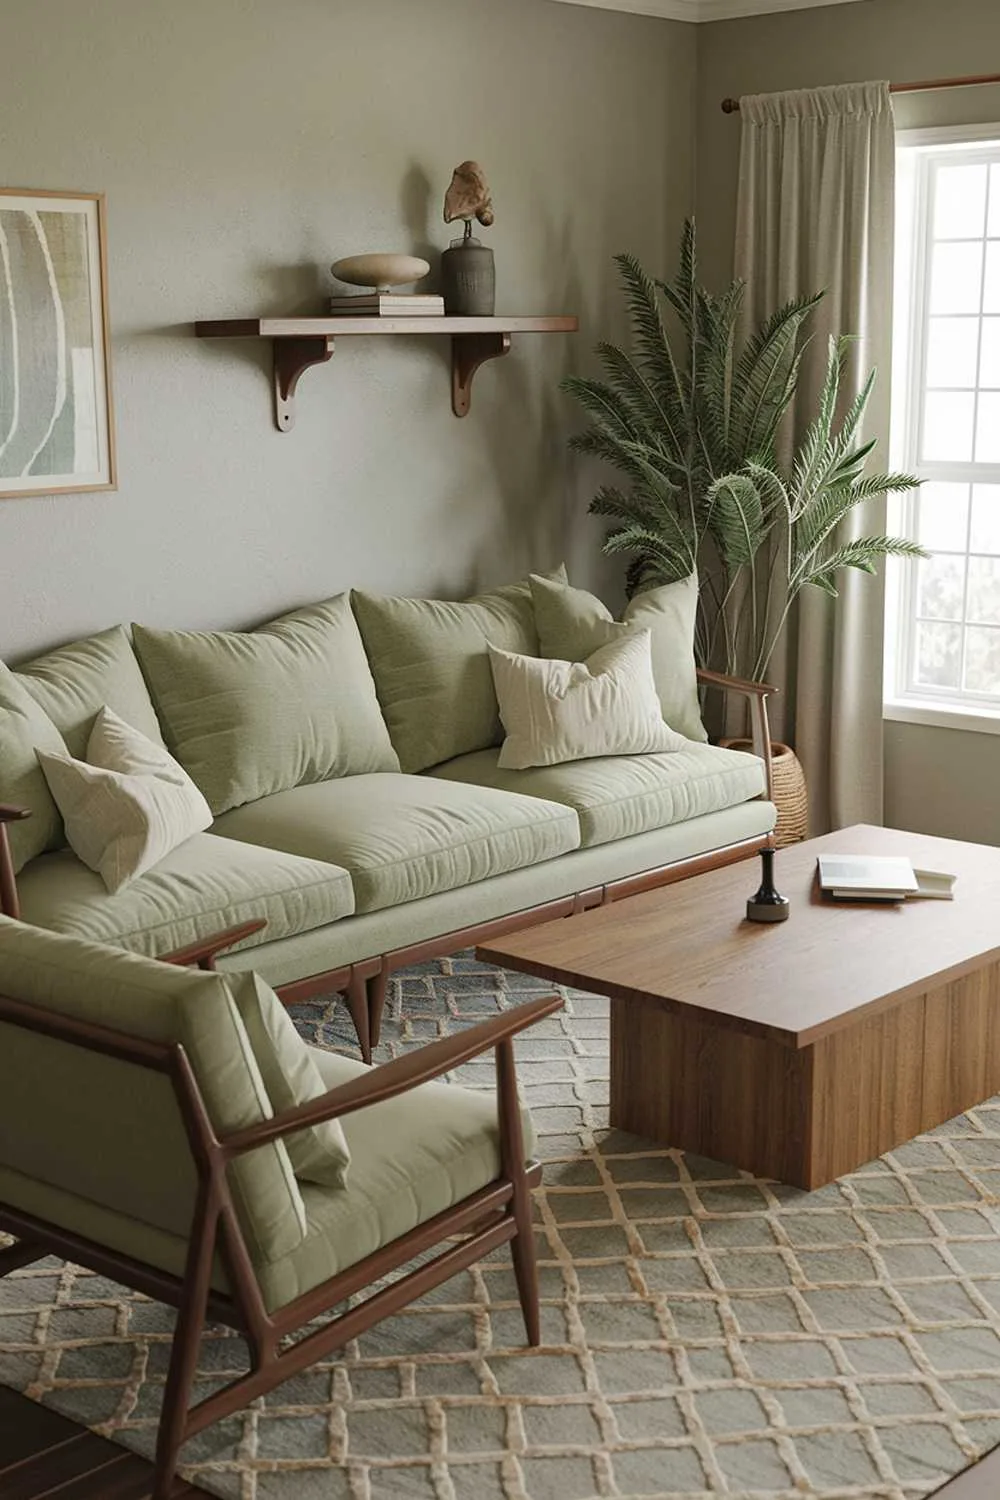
x=298, y=343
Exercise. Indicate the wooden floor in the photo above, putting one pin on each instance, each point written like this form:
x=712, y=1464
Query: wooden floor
x=45, y=1455
x=42, y=1454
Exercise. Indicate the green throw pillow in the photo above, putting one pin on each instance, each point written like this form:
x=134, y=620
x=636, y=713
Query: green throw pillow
x=248, y=713
x=573, y=624
x=73, y=683
x=431, y=666
x=24, y=729
x=319, y=1153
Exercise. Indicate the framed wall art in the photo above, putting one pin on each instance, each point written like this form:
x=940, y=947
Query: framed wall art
x=56, y=423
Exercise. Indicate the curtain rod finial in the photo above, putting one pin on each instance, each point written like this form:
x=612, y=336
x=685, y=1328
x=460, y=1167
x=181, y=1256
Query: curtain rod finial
x=730, y=106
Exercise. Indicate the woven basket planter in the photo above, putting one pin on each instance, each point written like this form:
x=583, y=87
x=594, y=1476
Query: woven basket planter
x=790, y=794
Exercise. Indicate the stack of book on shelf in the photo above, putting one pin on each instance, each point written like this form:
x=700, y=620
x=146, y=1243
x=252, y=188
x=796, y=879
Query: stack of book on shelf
x=388, y=304
x=863, y=877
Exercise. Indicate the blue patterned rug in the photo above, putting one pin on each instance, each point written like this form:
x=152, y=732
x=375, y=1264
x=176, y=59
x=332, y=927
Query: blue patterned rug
x=705, y=1333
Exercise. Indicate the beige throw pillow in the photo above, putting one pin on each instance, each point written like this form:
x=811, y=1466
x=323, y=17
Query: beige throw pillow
x=555, y=711
x=127, y=805
x=572, y=624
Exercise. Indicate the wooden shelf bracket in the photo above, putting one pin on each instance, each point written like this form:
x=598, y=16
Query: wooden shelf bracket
x=298, y=343
x=468, y=352
x=291, y=358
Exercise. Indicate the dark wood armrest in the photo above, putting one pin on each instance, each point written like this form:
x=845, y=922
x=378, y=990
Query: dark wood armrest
x=735, y=684
x=206, y=950
x=396, y=1077
x=9, y=904
x=758, y=694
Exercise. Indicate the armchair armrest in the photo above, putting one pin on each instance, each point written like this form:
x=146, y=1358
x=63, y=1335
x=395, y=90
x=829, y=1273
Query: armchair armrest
x=9, y=904
x=757, y=693
x=396, y=1077
x=206, y=950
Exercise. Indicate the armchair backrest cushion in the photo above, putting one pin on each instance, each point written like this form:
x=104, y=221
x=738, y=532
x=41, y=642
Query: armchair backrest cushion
x=25, y=729
x=248, y=713
x=111, y=1131
x=431, y=666
x=73, y=683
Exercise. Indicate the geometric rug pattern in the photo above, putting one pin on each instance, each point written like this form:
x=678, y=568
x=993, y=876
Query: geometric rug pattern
x=705, y=1333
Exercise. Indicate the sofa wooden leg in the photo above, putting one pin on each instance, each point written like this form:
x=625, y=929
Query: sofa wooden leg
x=378, y=987
x=356, y=996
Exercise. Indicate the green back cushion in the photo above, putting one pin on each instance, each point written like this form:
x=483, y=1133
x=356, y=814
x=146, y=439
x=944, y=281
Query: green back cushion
x=573, y=624
x=110, y=1131
x=248, y=713
x=24, y=728
x=432, y=669
x=73, y=683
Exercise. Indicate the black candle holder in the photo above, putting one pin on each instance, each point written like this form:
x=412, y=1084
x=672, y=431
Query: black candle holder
x=768, y=905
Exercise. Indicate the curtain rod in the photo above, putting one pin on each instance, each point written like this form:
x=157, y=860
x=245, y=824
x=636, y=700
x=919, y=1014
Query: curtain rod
x=731, y=106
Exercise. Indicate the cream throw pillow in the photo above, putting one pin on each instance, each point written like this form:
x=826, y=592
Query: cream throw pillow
x=127, y=805
x=555, y=711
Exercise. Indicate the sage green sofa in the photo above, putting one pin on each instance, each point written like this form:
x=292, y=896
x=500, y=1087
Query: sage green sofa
x=348, y=751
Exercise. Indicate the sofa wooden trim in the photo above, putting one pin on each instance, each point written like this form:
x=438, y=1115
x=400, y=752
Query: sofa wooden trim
x=497, y=1214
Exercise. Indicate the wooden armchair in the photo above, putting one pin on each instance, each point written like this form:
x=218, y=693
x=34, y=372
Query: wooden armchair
x=164, y=1142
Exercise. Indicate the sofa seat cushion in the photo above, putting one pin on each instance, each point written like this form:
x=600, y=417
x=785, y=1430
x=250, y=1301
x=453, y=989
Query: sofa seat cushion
x=403, y=837
x=411, y=1158
x=201, y=887
x=618, y=796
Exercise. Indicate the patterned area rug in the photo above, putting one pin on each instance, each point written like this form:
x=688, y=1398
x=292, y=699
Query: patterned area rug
x=705, y=1333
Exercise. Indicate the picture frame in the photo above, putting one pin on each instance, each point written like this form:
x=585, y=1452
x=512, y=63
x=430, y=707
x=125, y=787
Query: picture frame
x=56, y=417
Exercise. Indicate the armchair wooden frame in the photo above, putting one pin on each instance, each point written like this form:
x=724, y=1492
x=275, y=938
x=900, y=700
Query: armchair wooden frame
x=497, y=1214
x=364, y=984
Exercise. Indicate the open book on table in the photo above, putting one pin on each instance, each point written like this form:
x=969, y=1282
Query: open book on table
x=866, y=877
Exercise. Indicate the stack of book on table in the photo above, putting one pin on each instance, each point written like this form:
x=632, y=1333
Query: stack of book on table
x=863, y=877
x=388, y=304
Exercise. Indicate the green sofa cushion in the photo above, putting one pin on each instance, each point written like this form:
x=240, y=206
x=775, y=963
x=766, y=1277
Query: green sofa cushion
x=618, y=796
x=73, y=683
x=248, y=713
x=403, y=837
x=111, y=1131
x=199, y=888
x=432, y=671
x=24, y=728
x=573, y=624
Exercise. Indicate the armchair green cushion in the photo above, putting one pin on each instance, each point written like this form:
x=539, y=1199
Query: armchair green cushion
x=111, y=1132
x=248, y=713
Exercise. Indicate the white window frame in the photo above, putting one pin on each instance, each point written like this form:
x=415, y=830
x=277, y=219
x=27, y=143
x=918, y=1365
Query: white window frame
x=904, y=700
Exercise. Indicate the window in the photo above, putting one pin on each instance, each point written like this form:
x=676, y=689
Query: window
x=943, y=621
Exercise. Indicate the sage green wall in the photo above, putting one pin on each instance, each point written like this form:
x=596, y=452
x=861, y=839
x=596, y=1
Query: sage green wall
x=243, y=145
x=939, y=781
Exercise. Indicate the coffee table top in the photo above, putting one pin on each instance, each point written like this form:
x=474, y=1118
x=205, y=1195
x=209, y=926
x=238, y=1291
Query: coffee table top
x=689, y=946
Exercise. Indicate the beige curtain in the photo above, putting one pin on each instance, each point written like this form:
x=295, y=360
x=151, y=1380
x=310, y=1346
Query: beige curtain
x=815, y=210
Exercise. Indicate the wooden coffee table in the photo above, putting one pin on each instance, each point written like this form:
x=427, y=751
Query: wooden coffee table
x=797, y=1051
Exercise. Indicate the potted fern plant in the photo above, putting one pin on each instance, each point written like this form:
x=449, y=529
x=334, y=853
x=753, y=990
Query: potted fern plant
x=692, y=421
